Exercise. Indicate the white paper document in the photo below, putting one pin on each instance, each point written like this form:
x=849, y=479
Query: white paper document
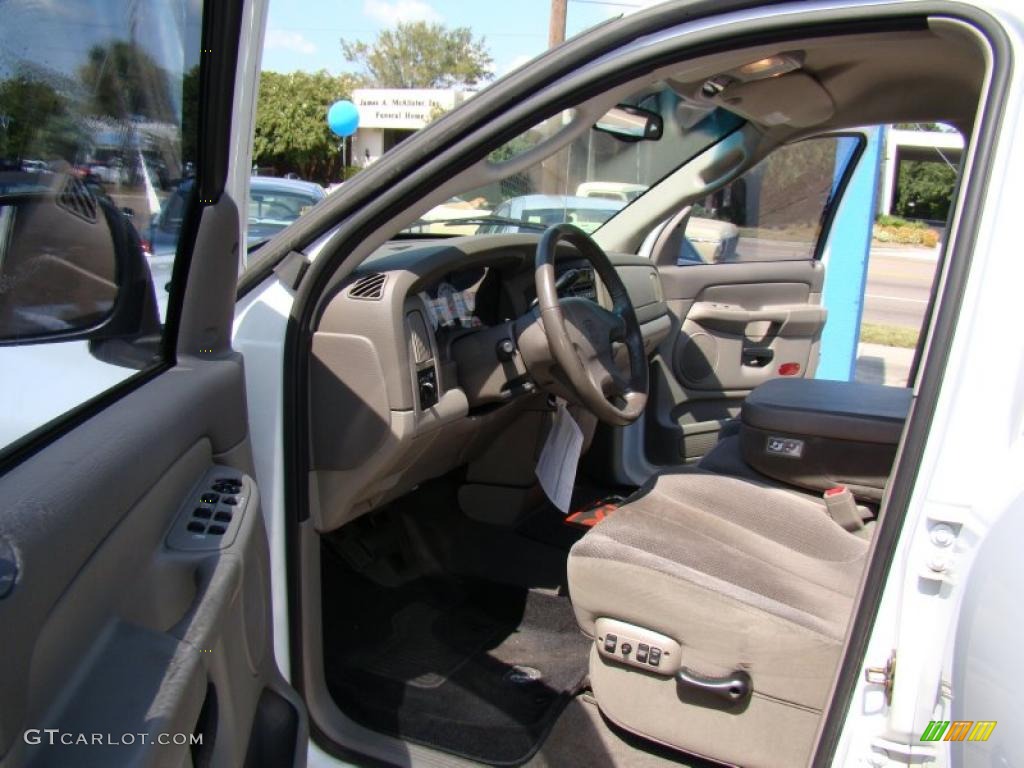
x=559, y=458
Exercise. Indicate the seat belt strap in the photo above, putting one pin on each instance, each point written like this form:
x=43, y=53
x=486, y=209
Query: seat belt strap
x=842, y=508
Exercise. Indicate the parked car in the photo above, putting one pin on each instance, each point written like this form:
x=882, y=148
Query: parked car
x=273, y=204
x=34, y=166
x=587, y=213
x=611, y=190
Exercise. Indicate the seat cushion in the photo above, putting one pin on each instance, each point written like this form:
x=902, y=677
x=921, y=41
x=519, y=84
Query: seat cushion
x=739, y=573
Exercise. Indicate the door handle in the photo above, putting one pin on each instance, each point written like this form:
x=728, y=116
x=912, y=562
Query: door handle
x=734, y=688
x=757, y=357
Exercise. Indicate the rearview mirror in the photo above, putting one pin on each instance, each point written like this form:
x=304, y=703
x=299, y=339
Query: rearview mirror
x=628, y=123
x=71, y=265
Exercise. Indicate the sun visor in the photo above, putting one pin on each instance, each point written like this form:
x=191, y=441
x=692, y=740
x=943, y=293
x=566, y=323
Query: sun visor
x=795, y=99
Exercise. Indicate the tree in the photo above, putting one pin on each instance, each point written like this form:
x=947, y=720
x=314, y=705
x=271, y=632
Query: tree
x=421, y=55
x=38, y=122
x=124, y=81
x=924, y=189
x=291, y=122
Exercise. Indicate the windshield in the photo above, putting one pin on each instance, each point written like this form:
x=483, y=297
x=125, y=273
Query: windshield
x=587, y=182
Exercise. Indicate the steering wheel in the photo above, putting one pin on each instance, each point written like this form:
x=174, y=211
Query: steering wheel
x=581, y=333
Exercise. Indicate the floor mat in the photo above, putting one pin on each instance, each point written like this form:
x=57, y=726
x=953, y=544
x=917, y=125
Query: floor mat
x=474, y=668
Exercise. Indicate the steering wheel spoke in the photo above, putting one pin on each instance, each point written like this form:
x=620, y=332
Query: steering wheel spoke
x=582, y=335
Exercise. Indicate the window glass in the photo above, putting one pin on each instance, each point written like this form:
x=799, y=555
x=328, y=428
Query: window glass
x=774, y=211
x=98, y=113
x=586, y=182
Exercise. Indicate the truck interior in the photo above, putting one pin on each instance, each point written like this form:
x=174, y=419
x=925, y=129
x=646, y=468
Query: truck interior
x=692, y=602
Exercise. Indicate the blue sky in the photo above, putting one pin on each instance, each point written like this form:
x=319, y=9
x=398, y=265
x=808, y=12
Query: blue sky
x=304, y=35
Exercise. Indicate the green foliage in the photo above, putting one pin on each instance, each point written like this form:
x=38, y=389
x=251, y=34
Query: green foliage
x=349, y=171
x=39, y=121
x=291, y=123
x=888, y=335
x=925, y=189
x=920, y=126
x=911, y=234
x=124, y=81
x=886, y=220
x=418, y=54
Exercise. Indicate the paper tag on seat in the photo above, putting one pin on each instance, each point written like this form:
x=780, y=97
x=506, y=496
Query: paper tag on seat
x=556, y=468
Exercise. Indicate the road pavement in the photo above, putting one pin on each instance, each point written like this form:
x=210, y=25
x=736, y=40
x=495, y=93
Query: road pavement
x=877, y=364
x=899, y=282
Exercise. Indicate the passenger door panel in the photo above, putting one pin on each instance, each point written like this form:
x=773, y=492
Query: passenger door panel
x=736, y=325
x=740, y=322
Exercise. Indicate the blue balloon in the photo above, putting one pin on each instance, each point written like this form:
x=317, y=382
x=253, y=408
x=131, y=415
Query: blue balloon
x=343, y=118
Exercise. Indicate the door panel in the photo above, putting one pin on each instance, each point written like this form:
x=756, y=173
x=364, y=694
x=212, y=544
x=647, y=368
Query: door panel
x=735, y=325
x=110, y=630
x=741, y=322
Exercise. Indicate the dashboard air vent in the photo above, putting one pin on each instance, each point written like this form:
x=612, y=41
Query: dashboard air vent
x=368, y=287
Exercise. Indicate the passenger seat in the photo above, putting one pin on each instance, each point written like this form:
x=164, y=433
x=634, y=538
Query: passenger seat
x=718, y=607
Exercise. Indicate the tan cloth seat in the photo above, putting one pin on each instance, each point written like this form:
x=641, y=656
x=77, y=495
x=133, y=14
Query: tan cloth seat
x=743, y=576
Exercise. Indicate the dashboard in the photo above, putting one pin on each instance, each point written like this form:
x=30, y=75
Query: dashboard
x=475, y=297
x=415, y=360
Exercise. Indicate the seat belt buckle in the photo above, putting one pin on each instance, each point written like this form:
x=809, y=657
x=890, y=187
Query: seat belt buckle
x=842, y=508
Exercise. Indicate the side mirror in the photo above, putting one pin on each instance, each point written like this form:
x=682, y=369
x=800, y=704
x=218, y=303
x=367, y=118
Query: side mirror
x=628, y=123
x=71, y=267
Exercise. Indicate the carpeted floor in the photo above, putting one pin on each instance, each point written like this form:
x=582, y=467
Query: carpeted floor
x=582, y=737
x=474, y=668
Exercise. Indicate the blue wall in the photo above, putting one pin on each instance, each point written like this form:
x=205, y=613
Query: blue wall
x=847, y=266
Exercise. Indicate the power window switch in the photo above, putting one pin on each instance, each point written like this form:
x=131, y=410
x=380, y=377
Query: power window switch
x=209, y=498
x=641, y=653
x=654, y=657
x=610, y=642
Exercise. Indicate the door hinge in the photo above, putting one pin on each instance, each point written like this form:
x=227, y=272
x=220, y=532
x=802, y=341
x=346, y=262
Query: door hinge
x=883, y=676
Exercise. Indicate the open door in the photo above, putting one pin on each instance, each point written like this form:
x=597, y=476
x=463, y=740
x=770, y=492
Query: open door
x=134, y=566
x=742, y=273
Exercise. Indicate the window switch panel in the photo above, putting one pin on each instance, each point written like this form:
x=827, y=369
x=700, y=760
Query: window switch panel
x=212, y=513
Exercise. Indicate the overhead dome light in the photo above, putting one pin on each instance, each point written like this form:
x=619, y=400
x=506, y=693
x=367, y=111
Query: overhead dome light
x=772, y=66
